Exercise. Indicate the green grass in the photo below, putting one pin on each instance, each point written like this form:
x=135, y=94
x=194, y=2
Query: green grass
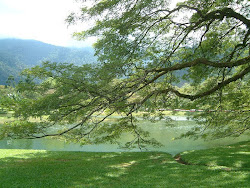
x=37, y=168
x=231, y=157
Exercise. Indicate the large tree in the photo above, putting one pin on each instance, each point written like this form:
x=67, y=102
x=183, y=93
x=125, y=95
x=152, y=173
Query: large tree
x=147, y=50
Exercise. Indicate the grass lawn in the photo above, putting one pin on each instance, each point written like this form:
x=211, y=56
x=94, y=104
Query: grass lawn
x=219, y=167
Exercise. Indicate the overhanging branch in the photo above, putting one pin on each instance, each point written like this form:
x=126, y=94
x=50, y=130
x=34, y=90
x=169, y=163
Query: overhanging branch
x=210, y=91
x=203, y=61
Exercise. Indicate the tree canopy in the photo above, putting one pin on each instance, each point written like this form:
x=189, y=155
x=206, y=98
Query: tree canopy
x=151, y=55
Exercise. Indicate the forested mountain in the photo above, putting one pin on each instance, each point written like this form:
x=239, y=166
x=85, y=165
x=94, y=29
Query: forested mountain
x=17, y=54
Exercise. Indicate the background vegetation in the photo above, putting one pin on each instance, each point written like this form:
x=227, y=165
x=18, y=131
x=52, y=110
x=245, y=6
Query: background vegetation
x=17, y=54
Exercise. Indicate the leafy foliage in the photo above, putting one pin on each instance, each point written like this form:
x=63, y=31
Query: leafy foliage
x=145, y=50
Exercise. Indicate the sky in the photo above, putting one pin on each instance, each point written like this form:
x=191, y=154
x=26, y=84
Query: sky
x=42, y=20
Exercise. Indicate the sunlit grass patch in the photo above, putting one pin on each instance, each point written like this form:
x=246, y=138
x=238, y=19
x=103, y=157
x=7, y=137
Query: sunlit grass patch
x=19, y=153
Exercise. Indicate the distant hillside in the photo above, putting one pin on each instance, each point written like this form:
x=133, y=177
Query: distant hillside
x=17, y=54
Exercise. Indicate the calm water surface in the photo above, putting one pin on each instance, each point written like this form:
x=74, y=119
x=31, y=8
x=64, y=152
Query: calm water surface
x=158, y=130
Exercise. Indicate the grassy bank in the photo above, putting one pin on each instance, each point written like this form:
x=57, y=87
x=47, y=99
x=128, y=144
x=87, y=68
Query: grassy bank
x=220, y=167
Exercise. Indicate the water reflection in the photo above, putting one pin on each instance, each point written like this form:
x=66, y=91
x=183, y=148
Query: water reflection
x=159, y=130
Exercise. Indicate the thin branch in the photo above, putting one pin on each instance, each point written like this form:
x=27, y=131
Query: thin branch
x=57, y=134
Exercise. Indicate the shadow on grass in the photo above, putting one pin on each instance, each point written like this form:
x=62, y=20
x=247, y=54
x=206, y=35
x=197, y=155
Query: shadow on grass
x=236, y=156
x=24, y=168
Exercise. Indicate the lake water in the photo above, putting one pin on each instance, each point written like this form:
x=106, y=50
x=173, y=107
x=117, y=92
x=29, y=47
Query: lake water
x=158, y=130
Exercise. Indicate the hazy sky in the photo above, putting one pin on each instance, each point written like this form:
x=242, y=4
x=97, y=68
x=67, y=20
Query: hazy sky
x=42, y=20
